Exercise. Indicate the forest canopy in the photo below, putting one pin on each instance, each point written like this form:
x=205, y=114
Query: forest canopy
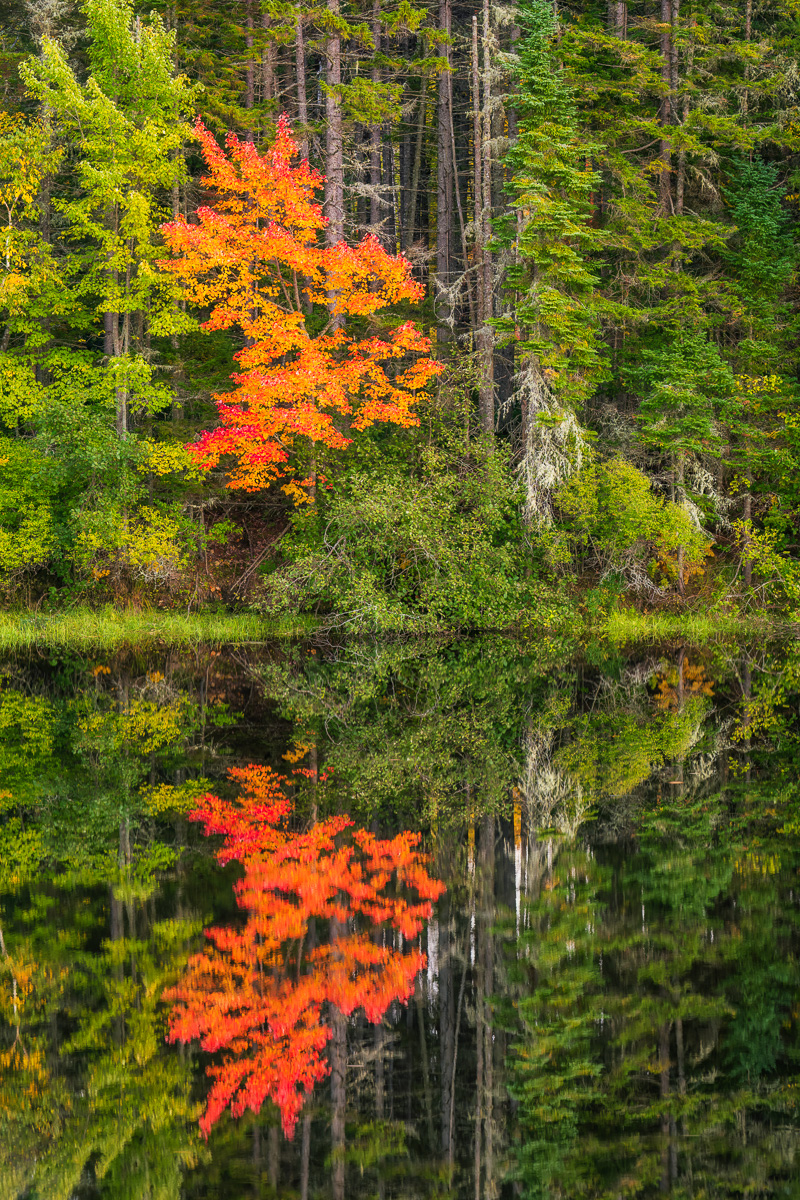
x=409, y=315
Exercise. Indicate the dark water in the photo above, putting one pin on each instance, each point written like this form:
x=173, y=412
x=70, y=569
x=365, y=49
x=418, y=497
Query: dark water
x=610, y=1004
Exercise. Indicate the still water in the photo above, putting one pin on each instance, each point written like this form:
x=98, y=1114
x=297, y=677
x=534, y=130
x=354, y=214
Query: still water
x=604, y=1002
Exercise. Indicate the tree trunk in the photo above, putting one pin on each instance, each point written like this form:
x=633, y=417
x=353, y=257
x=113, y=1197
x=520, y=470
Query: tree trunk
x=300, y=69
x=444, y=183
x=747, y=516
x=411, y=214
x=267, y=63
x=334, y=158
x=680, y=187
x=485, y=383
x=486, y=185
x=375, y=136
x=618, y=18
x=665, y=116
x=249, y=95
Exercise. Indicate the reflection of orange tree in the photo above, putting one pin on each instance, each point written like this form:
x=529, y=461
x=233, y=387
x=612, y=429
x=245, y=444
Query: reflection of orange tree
x=257, y=992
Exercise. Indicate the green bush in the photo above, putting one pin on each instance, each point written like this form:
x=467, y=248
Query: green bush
x=392, y=549
x=610, y=513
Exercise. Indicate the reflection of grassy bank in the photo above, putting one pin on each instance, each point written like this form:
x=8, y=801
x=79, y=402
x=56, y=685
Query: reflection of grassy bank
x=106, y=629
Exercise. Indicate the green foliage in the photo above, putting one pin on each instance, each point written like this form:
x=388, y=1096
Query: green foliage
x=610, y=511
x=555, y=318
x=390, y=551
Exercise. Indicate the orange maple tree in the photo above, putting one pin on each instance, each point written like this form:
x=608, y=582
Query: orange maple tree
x=257, y=993
x=257, y=261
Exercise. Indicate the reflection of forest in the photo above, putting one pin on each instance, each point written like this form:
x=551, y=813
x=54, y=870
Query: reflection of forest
x=610, y=1002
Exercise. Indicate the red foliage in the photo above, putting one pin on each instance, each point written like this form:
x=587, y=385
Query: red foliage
x=257, y=992
x=250, y=259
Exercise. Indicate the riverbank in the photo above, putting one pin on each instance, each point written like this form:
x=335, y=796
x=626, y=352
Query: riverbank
x=110, y=629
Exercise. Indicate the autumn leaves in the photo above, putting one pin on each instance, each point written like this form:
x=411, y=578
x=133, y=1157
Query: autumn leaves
x=256, y=262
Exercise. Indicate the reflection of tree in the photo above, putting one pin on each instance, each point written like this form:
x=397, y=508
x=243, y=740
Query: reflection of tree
x=655, y=1044
x=89, y=1095
x=257, y=993
x=411, y=731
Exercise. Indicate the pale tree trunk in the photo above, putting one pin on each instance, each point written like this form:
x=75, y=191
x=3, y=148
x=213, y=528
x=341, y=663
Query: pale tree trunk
x=334, y=158
x=267, y=63
x=485, y=382
x=411, y=214
x=444, y=181
x=618, y=18
x=300, y=71
x=460, y=210
x=375, y=135
x=250, y=73
x=748, y=28
x=389, y=238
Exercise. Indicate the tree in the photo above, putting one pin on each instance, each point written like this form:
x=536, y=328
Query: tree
x=252, y=260
x=257, y=992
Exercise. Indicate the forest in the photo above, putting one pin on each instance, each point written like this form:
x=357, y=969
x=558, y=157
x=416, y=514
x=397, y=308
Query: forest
x=405, y=316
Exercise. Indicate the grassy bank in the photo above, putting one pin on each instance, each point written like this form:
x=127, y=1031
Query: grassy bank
x=109, y=629
x=630, y=626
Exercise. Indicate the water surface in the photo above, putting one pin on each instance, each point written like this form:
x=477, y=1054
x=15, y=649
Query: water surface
x=609, y=1006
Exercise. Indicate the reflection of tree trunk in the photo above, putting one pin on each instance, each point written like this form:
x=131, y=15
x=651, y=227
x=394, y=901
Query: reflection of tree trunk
x=663, y=1062
x=305, y=1157
x=479, y=1067
x=338, y=1100
x=256, y=1160
x=117, y=934
x=451, y=1127
x=423, y=1049
x=680, y=497
x=380, y=1090
x=445, y=1018
x=338, y=1053
x=681, y=1068
x=487, y=855
x=274, y=1156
